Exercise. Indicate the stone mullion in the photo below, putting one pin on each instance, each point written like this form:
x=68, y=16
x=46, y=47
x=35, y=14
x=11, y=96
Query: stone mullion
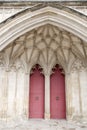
x=47, y=97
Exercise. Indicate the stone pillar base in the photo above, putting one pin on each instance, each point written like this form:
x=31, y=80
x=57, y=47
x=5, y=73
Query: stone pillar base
x=47, y=116
x=68, y=117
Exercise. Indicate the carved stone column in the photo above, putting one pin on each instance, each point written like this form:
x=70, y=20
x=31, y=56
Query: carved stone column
x=5, y=85
x=83, y=92
x=11, y=93
x=4, y=95
x=26, y=94
x=47, y=96
x=20, y=93
x=76, y=92
x=68, y=93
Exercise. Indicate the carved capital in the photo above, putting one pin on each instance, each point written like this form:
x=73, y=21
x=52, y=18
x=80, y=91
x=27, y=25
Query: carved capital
x=78, y=66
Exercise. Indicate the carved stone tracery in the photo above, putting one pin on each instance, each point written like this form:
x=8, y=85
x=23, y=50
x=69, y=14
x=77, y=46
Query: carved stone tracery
x=45, y=45
x=78, y=65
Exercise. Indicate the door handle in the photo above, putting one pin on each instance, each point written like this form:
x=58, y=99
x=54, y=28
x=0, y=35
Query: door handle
x=36, y=98
x=57, y=98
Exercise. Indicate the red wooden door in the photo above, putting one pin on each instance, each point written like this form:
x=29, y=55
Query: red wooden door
x=36, y=94
x=57, y=92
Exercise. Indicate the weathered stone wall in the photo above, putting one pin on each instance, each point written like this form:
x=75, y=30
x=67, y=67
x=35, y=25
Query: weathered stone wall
x=14, y=96
x=54, y=45
x=11, y=8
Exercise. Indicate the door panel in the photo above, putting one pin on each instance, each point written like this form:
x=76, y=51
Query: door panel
x=57, y=92
x=36, y=94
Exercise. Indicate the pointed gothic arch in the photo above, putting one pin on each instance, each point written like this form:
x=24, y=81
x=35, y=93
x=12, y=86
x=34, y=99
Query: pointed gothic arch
x=36, y=96
x=57, y=94
x=70, y=26
x=28, y=20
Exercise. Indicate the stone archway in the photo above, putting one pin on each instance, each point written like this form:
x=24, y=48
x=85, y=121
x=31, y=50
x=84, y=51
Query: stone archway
x=28, y=20
x=45, y=45
x=47, y=37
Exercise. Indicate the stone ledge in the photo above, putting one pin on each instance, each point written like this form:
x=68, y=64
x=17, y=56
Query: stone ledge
x=40, y=124
x=30, y=2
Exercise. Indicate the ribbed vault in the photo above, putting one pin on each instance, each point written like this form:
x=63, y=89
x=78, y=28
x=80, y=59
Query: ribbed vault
x=46, y=45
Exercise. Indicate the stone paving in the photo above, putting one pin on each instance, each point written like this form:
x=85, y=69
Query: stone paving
x=39, y=124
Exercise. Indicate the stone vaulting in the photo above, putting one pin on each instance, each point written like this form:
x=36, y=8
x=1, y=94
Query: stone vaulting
x=49, y=36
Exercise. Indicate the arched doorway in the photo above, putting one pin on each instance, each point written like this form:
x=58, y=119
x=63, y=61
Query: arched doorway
x=36, y=109
x=20, y=48
x=57, y=94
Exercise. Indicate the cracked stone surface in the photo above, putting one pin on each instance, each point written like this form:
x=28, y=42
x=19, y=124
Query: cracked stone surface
x=40, y=124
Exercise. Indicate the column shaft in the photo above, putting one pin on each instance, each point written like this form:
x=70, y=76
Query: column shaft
x=26, y=93
x=47, y=96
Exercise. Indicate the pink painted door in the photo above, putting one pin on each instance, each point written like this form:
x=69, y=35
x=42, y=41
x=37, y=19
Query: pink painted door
x=57, y=92
x=36, y=94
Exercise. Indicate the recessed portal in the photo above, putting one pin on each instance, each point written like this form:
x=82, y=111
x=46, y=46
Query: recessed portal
x=36, y=93
x=57, y=94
